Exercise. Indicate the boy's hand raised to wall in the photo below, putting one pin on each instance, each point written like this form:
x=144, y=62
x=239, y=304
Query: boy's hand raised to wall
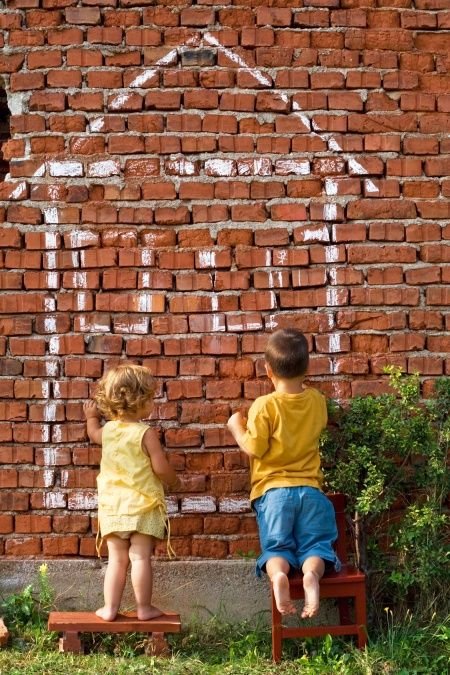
x=237, y=424
x=237, y=421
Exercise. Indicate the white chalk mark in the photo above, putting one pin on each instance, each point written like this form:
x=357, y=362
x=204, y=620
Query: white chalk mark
x=97, y=124
x=331, y=254
x=51, y=216
x=118, y=101
x=145, y=303
x=273, y=300
x=142, y=78
x=305, y=120
x=48, y=478
x=332, y=297
x=51, y=240
x=18, y=191
x=52, y=281
x=356, y=167
x=316, y=234
x=329, y=211
x=218, y=323
x=50, y=412
x=295, y=166
x=104, y=168
x=65, y=168
x=49, y=304
x=370, y=186
x=207, y=259
x=331, y=187
x=84, y=501
x=54, y=500
x=51, y=368
x=40, y=171
x=334, y=145
x=53, y=345
x=262, y=79
x=81, y=301
x=214, y=303
x=334, y=342
x=220, y=167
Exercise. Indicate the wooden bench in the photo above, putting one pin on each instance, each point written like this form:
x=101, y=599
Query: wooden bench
x=348, y=584
x=71, y=624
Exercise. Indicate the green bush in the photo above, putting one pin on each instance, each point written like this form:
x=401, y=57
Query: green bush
x=28, y=607
x=388, y=453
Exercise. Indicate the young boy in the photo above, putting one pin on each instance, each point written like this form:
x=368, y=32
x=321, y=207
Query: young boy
x=296, y=521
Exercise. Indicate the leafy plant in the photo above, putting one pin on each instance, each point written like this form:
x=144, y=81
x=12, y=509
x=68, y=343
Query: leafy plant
x=388, y=454
x=29, y=608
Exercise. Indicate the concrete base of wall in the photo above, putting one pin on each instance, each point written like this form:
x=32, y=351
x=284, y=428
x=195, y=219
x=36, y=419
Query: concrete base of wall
x=200, y=587
x=194, y=588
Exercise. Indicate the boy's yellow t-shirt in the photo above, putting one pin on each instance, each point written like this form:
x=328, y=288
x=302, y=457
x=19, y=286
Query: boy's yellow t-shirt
x=283, y=435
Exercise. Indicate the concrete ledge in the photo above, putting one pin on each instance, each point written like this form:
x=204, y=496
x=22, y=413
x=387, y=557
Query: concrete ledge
x=192, y=588
x=189, y=587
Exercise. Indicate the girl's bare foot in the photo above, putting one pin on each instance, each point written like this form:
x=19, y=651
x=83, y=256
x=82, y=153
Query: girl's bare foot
x=148, y=612
x=283, y=601
x=106, y=614
x=312, y=595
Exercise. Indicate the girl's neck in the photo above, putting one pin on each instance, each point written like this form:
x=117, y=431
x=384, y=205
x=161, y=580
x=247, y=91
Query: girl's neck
x=128, y=419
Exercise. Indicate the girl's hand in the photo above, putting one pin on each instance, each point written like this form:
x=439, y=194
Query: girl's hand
x=90, y=410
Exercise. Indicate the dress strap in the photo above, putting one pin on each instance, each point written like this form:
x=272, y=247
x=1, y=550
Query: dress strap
x=98, y=541
x=170, y=552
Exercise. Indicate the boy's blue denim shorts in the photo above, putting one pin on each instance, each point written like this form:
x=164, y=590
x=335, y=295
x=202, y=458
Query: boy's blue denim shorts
x=295, y=523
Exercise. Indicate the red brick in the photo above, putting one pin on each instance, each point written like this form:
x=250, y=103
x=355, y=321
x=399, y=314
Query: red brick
x=29, y=546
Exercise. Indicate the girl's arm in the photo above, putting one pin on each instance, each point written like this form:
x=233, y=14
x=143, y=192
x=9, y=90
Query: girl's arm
x=160, y=465
x=94, y=428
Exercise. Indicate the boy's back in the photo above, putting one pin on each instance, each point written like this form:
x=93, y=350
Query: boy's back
x=283, y=437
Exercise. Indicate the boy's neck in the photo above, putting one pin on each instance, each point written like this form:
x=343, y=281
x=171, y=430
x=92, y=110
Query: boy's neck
x=294, y=385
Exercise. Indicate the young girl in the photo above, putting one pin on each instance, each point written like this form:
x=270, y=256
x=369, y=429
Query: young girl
x=131, y=506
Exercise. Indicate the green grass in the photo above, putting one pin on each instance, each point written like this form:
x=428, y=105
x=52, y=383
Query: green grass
x=219, y=647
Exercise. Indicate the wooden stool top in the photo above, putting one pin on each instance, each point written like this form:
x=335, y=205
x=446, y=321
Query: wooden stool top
x=89, y=622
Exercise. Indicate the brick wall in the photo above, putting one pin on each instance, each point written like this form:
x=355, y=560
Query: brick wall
x=183, y=177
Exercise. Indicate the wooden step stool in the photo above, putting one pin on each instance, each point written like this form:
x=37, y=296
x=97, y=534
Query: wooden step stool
x=71, y=624
x=349, y=584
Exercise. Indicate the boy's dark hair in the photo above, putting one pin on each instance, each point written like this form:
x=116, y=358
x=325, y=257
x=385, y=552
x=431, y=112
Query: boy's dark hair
x=287, y=353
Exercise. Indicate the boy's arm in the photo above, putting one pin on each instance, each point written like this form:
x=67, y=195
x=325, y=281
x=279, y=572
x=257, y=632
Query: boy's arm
x=94, y=428
x=236, y=425
x=160, y=465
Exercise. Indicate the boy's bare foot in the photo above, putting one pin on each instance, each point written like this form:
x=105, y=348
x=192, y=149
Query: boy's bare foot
x=106, y=614
x=312, y=595
x=283, y=601
x=148, y=612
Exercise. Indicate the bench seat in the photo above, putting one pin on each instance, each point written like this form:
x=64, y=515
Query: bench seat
x=71, y=624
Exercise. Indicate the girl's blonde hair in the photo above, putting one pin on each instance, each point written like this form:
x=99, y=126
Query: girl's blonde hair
x=124, y=390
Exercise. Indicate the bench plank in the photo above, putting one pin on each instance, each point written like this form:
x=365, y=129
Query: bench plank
x=89, y=622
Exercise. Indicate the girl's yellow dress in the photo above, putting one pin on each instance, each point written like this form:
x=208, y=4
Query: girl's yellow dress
x=130, y=495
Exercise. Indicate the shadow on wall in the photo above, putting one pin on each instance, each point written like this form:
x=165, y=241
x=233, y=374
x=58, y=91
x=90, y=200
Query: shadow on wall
x=4, y=131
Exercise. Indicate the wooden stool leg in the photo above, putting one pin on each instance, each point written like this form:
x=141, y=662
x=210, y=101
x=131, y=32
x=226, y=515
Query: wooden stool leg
x=157, y=645
x=70, y=642
x=276, y=632
x=361, y=618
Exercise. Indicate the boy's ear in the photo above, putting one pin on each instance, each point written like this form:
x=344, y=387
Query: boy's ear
x=269, y=370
